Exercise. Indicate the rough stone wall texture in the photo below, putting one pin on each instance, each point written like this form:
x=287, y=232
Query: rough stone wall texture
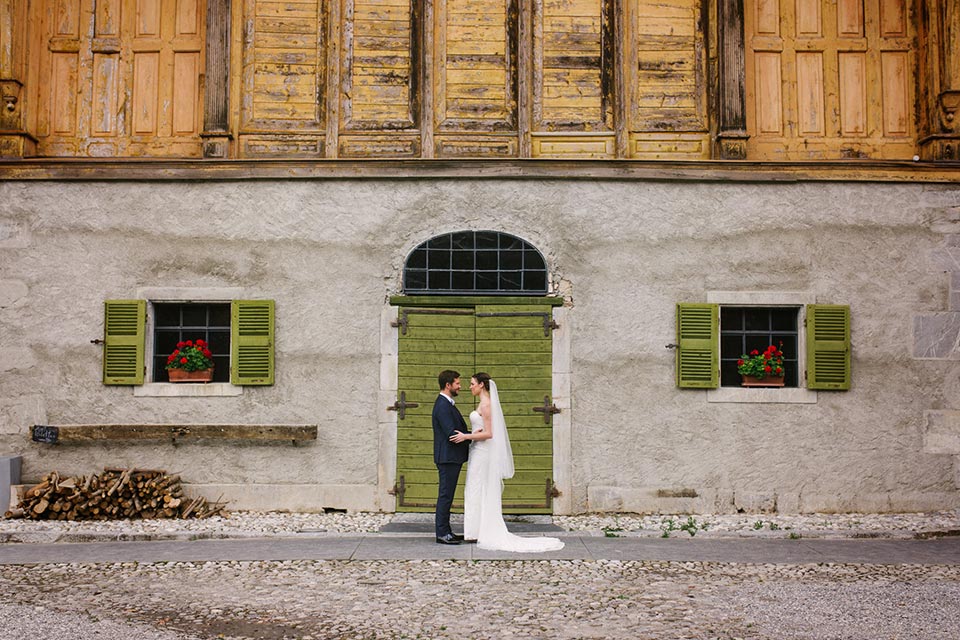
x=624, y=253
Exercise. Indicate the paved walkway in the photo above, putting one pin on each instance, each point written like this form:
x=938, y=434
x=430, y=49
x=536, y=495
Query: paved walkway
x=945, y=551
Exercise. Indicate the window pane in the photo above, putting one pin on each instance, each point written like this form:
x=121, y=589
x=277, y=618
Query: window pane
x=463, y=260
x=789, y=347
x=219, y=315
x=438, y=280
x=219, y=342
x=487, y=260
x=438, y=260
x=487, y=240
x=532, y=260
x=194, y=315
x=166, y=315
x=783, y=319
x=756, y=320
x=417, y=260
x=221, y=368
x=511, y=280
x=487, y=280
x=415, y=279
x=165, y=342
x=731, y=319
x=511, y=259
x=463, y=280
x=535, y=281
x=729, y=376
x=760, y=343
x=440, y=242
x=463, y=241
x=731, y=346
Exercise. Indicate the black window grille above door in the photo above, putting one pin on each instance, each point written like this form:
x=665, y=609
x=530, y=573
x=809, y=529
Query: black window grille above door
x=475, y=262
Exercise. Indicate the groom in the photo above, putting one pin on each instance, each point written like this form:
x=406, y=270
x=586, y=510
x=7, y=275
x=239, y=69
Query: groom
x=448, y=456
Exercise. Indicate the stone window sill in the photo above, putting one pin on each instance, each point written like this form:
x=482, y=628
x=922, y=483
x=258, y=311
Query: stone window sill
x=785, y=395
x=186, y=390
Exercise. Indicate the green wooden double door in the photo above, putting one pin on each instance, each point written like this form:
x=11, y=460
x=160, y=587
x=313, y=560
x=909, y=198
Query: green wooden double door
x=513, y=343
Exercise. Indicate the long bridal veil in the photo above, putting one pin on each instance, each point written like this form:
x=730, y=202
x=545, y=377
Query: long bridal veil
x=486, y=470
x=502, y=452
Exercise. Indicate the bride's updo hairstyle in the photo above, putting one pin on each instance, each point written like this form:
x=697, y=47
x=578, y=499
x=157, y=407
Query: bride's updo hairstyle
x=484, y=379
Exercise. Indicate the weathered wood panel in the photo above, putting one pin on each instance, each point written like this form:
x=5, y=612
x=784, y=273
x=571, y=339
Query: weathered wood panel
x=284, y=69
x=573, y=65
x=379, y=73
x=669, y=93
x=475, y=72
x=125, y=77
x=846, y=79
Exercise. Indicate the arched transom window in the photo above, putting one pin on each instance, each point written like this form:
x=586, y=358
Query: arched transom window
x=475, y=262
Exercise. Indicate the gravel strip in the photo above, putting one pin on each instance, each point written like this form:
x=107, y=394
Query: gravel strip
x=250, y=524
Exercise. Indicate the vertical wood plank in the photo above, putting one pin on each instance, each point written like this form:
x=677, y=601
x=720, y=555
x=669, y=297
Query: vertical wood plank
x=853, y=93
x=108, y=18
x=896, y=93
x=188, y=18
x=148, y=18
x=217, y=67
x=186, y=68
x=769, y=104
x=810, y=93
x=105, y=94
x=893, y=18
x=146, y=78
x=850, y=18
x=63, y=102
x=808, y=18
x=768, y=17
x=68, y=18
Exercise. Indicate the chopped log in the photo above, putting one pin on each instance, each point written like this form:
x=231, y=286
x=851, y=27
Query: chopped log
x=115, y=493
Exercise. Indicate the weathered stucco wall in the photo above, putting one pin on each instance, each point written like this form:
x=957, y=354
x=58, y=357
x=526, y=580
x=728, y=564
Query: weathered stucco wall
x=623, y=253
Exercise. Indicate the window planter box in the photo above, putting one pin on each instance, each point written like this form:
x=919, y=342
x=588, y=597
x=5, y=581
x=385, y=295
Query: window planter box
x=767, y=381
x=201, y=375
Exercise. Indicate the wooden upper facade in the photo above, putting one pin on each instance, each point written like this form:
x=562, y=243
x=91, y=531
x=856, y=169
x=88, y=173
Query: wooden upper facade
x=763, y=80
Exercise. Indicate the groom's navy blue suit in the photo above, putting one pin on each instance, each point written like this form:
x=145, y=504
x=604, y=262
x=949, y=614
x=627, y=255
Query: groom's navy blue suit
x=448, y=457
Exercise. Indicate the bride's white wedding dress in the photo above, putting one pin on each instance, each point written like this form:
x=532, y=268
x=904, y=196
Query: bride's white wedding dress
x=486, y=468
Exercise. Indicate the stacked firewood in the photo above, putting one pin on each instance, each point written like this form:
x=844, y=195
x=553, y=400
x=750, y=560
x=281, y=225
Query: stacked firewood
x=113, y=494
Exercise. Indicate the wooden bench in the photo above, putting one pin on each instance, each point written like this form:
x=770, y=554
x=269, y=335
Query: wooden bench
x=86, y=433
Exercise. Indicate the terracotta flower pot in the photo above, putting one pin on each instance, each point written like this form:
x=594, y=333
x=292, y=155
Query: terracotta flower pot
x=201, y=375
x=766, y=381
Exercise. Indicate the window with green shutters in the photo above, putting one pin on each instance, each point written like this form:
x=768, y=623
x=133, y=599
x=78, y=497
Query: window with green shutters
x=700, y=343
x=251, y=348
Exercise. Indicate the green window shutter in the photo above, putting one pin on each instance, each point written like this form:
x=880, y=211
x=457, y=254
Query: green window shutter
x=828, y=347
x=251, y=342
x=698, y=353
x=124, y=326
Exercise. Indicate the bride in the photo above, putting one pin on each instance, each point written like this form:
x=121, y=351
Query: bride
x=490, y=461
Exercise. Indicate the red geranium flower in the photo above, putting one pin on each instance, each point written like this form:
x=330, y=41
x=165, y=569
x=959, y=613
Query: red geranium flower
x=754, y=353
x=767, y=369
x=183, y=361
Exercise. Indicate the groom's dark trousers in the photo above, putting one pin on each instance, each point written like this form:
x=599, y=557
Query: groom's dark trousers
x=448, y=456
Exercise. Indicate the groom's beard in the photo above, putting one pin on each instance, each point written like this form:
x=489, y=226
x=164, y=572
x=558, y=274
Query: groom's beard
x=454, y=394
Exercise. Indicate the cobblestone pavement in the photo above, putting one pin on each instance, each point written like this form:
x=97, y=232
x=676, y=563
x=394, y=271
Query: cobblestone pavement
x=555, y=599
x=487, y=599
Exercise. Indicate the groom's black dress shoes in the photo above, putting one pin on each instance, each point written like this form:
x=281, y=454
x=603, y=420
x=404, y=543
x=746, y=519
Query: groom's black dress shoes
x=456, y=537
x=447, y=539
